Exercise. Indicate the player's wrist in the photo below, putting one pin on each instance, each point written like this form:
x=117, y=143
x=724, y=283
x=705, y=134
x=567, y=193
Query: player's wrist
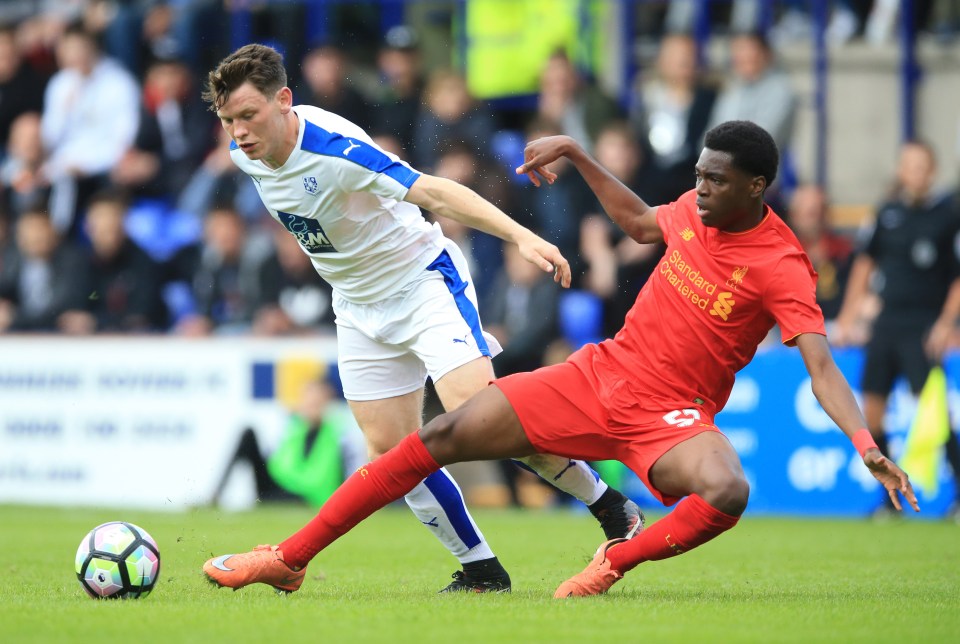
x=863, y=441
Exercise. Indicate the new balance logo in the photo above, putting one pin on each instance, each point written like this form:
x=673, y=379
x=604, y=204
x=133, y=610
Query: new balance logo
x=723, y=306
x=686, y=234
x=350, y=147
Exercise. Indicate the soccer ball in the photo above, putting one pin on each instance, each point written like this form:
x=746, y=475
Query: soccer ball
x=118, y=560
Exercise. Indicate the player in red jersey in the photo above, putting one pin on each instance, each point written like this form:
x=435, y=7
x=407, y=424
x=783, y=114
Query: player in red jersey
x=732, y=269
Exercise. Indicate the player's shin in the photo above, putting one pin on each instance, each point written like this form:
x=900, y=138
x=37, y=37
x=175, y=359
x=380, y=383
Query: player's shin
x=438, y=504
x=370, y=488
x=576, y=478
x=692, y=523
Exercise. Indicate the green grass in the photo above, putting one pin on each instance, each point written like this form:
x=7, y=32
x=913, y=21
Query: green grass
x=783, y=580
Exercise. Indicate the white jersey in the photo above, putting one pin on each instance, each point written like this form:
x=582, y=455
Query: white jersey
x=341, y=196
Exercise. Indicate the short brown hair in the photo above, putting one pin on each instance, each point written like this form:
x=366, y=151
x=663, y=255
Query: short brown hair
x=259, y=65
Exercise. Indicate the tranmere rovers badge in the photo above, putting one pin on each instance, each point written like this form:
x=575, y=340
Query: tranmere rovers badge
x=310, y=185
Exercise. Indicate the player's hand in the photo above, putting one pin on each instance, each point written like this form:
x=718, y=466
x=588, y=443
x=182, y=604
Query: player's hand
x=938, y=340
x=892, y=478
x=539, y=153
x=542, y=253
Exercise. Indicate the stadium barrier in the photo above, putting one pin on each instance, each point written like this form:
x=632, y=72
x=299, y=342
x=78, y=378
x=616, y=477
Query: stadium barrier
x=152, y=422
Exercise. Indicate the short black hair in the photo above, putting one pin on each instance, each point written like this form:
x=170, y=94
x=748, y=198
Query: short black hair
x=751, y=147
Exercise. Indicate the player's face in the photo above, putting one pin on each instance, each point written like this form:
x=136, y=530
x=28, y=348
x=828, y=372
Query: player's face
x=254, y=121
x=726, y=196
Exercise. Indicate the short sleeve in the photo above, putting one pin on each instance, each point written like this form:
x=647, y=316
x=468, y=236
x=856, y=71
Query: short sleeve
x=791, y=299
x=674, y=216
x=358, y=165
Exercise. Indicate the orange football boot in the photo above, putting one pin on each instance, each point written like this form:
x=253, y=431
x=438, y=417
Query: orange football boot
x=596, y=578
x=262, y=565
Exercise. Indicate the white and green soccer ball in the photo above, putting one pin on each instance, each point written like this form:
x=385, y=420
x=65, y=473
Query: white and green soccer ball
x=118, y=560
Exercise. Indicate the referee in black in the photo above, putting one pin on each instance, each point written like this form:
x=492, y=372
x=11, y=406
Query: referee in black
x=910, y=258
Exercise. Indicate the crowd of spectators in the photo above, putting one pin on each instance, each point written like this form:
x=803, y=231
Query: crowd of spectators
x=121, y=212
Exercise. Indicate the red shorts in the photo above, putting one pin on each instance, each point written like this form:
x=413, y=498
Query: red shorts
x=569, y=413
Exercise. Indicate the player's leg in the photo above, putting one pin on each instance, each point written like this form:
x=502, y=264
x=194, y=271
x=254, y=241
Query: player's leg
x=703, y=469
x=457, y=354
x=617, y=514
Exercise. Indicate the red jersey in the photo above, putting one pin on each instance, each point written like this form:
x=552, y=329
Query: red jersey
x=702, y=313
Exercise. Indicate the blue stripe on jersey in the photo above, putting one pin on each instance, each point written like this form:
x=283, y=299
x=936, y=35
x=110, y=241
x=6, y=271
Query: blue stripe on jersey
x=446, y=493
x=233, y=145
x=458, y=288
x=333, y=144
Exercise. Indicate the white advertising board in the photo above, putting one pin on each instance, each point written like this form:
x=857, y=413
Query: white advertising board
x=145, y=423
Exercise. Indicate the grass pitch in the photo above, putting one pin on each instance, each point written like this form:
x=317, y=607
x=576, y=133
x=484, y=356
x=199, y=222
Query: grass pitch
x=768, y=580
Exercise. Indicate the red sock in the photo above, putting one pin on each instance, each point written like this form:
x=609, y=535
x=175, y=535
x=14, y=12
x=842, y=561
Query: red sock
x=367, y=490
x=692, y=523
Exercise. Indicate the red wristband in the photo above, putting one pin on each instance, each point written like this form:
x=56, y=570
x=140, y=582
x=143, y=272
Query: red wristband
x=863, y=441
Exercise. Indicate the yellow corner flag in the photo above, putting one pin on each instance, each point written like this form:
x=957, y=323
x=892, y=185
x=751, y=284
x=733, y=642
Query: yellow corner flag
x=928, y=433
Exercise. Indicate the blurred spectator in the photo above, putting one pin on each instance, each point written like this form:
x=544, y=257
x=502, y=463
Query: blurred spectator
x=176, y=132
x=398, y=104
x=327, y=86
x=521, y=313
x=672, y=116
x=912, y=257
x=460, y=162
x=43, y=282
x=293, y=298
x=21, y=87
x=223, y=272
x=808, y=215
x=24, y=184
x=618, y=266
x=757, y=91
x=559, y=211
x=320, y=446
x=125, y=282
x=578, y=107
x=449, y=114
x=84, y=133
x=218, y=181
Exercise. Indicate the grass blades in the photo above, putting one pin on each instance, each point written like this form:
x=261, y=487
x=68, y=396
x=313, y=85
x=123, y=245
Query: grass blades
x=768, y=580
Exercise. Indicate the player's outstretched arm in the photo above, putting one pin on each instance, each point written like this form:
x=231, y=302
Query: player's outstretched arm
x=628, y=210
x=450, y=199
x=837, y=399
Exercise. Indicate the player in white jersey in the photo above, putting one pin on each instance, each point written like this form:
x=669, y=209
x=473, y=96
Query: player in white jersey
x=405, y=306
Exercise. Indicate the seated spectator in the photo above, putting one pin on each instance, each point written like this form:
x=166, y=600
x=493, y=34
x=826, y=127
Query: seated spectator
x=618, y=266
x=320, y=446
x=399, y=66
x=21, y=176
x=521, y=313
x=831, y=254
x=176, y=132
x=460, y=162
x=219, y=181
x=223, y=273
x=85, y=136
x=327, y=86
x=579, y=108
x=293, y=298
x=449, y=113
x=43, y=282
x=558, y=211
x=671, y=117
x=21, y=86
x=125, y=282
x=757, y=90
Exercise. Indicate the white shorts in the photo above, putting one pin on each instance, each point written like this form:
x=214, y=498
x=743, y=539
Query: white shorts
x=431, y=327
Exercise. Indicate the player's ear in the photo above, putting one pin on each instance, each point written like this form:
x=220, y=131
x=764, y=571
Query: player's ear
x=285, y=98
x=757, y=187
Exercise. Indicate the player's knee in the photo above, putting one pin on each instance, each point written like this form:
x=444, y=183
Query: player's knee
x=438, y=437
x=727, y=492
